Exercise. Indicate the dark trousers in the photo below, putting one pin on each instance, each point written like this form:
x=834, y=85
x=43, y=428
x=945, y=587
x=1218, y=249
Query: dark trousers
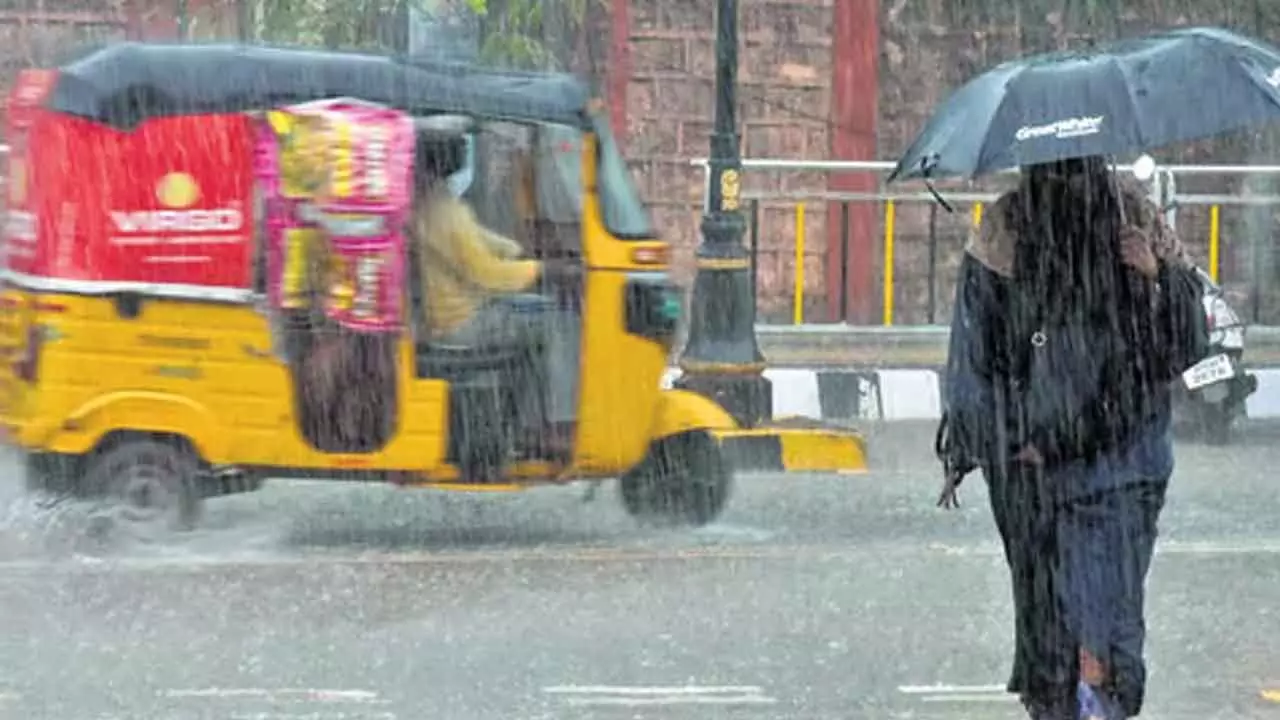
x=1078, y=567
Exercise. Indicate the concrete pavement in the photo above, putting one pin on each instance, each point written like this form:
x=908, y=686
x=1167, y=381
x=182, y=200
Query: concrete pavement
x=813, y=598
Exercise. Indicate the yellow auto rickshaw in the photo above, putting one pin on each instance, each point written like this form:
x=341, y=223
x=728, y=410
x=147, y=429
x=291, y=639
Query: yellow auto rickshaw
x=145, y=357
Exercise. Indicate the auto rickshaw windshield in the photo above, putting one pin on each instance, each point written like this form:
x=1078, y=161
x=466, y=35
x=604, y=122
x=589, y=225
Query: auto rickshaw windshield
x=623, y=211
x=557, y=156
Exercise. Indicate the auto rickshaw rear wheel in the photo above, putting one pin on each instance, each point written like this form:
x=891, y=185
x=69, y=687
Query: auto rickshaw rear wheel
x=51, y=473
x=684, y=480
x=147, y=482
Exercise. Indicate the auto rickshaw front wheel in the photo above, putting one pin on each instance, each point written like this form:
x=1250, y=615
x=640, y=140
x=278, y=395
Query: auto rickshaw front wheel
x=684, y=480
x=146, y=483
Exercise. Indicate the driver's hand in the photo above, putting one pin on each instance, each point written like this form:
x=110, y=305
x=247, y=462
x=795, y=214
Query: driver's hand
x=561, y=272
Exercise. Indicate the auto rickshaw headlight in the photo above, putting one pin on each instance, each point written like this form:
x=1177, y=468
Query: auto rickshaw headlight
x=651, y=255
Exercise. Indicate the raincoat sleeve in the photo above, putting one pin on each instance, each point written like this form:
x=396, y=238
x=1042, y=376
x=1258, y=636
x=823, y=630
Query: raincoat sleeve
x=967, y=437
x=1179, y=336
x=472, y=252
x=1181, y=332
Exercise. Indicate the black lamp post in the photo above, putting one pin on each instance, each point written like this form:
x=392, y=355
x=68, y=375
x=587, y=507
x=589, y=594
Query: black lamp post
x=721, y=358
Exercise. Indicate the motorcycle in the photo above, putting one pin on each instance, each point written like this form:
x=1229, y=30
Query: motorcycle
x=1211, y=395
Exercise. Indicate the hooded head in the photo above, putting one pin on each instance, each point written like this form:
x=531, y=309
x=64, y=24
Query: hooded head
x=436, y=157
x=440, y=149
x=1067, y=224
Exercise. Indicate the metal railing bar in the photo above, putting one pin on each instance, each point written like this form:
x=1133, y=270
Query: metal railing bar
x=874, y=165
x=925, y=197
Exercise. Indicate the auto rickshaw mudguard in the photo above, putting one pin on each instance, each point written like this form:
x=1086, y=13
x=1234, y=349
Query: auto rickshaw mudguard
x=807, y=447
x=681, y=411
x=136, y=411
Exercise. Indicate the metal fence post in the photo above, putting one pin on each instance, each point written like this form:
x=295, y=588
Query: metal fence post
x=933, y=262
x=1169, y=191
x=1255, y=279
x=797, y=274
x=844, y=261
x=890, y=217
x=1215, y=239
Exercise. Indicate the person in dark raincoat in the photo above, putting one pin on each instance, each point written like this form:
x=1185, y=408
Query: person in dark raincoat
x=1075, y=310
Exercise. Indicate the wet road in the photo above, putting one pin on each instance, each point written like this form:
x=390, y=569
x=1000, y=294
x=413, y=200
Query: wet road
x=814, y=598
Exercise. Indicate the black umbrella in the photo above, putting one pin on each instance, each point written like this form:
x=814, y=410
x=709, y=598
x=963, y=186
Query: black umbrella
x=1126, y=97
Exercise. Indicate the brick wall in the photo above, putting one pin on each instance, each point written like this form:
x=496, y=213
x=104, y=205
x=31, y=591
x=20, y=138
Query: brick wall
x=930, y=47
x=927, y=47
x=37, y=38
x=783, y=110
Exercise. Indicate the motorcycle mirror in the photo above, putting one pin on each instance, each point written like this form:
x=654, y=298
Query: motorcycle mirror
x=1144, y=168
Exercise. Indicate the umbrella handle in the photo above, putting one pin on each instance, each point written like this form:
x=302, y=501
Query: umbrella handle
x=1115, y=189
x=927, y=164
x=938, y=196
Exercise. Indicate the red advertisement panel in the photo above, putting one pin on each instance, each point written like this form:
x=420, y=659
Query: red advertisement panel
x=167, y=203
x=25, y=108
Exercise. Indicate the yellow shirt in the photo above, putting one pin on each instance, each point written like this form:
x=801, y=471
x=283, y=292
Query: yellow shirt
x=463, y=264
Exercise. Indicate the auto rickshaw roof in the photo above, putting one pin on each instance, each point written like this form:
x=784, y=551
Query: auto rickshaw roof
x=123, y=84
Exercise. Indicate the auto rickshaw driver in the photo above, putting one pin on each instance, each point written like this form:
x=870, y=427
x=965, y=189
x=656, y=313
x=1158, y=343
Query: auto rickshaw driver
x=480, y=292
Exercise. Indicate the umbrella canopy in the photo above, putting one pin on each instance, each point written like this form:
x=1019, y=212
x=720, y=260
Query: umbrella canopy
x=1126, y=97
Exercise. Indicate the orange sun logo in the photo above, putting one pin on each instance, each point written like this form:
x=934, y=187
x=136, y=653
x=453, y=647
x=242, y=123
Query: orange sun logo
x=177, y=190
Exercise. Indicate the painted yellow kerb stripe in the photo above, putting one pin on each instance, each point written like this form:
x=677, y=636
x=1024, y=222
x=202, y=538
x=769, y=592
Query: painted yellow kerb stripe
x=1271, y=696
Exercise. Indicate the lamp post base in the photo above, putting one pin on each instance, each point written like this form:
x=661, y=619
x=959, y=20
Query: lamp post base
x=721, y=359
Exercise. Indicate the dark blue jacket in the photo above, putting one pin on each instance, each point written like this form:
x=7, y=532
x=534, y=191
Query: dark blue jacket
x=1120, y=378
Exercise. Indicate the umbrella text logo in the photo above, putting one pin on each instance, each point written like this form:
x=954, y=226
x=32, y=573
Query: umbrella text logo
x=1062, y=129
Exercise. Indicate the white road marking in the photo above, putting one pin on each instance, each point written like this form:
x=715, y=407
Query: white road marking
x=653, y=690
x=1236, y=547
x=670, y=700
x=741, y=532
x=320, y=695
x=311, y=716
x=649, y=696
x=958, y=693
x=949, y=689
x=9, y=696
x=1001, y=698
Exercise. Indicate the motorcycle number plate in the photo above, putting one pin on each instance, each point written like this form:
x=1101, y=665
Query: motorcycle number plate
x=1208, y=371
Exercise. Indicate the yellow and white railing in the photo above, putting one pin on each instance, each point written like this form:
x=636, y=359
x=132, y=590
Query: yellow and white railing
x=890, y=202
